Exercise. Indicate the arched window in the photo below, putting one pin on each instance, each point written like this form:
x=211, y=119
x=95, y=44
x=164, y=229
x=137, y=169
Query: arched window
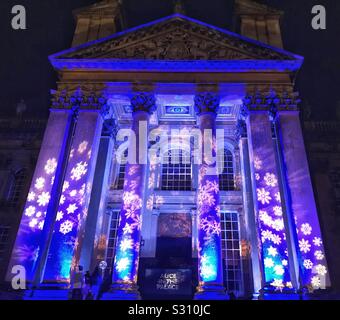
x=176, y=170
x=16, y=187
x=226, y=169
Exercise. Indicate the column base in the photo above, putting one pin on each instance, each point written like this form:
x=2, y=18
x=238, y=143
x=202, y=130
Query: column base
x=120, y=291
x=278, y=295
x=211, y=292
x=47, y=292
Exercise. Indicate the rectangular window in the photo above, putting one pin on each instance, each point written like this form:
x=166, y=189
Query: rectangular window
x=4, y=238
x=110, y=253
x=231, y=252
x=176, y=175
x=226, y=166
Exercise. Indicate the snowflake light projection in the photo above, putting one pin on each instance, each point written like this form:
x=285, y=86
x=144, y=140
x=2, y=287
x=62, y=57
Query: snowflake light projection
x=209, y=227
x=128, y=235
x=34, y=214
x=72, y=210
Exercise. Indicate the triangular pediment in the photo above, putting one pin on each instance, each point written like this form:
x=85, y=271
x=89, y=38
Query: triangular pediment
x=176, y=38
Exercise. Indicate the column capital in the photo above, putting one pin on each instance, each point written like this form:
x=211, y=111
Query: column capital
x=81, y=97
x=110, y=128
x=270, y=99
x=207, y=102
x=143, y=101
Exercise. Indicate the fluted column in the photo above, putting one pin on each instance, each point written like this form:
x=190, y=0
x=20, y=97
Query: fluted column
x=268, y=210
x=210, y=271
x=73, y=201
x=125, y=268
x=300, y=197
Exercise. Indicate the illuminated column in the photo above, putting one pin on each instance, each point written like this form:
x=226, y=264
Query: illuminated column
x=311, y=253
x=125, y=268
x=71, y=216
x=248, y=205
x=29, y=242
x=210, y=270
x=267, y=197
x=92, y=249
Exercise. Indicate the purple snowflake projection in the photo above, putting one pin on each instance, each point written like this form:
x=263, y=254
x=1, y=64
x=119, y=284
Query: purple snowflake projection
x=128, y=237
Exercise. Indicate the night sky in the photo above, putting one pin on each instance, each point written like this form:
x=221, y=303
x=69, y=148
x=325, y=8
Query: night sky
x=25, y=71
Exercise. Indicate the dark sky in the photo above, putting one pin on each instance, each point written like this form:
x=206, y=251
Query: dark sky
x=25, y=71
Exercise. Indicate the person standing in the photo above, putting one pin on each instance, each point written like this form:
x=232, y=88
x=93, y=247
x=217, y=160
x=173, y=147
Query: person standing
x=78, y=284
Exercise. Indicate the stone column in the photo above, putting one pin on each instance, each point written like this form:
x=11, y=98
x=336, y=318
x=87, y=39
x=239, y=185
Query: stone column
x=72, y=212
x=125, y=268
x=311, y=253
x=94, y=238
x=248, y=207
x=210, y=271
x=29, y=245
x=267, y=197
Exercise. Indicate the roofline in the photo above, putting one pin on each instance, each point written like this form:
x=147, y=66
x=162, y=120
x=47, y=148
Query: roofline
x=177, y=15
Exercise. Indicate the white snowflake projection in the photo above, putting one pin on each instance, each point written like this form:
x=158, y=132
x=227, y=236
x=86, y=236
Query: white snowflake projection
x=279, y=270
x=278, y=197
x=257, y=163
x=257, y=177
x=276, y=239
x=270, y=179
x=128, y=229
x=212, y=186
x=66, y=227
x=43, y=199
x=210, y=226
x=39, y=214
x=62, y=199
x=316, y=282
x=31, y=196
x=130, y=214
x=151, y=181
x=272, y=251
x=320, y=269
x=304, y=245
x=308, y=264
x=319, y=255
x=268, y=262
x=306, y=229
x=149, y=203
x=289, y=285
x=73, y=193
x=71, y=208
x=41, y=225
x=266, y=235
x=285, y=262
x=132, y=170
x=265, y=218
x=33, y=223
x=159, y=201
x=82, y=147
x=51, y=166
x=60, y=215
x=126, y=244
x=66, y=185
x=39, y=183
x=79, y=171
x=277, y=211
x=89, y=154
x=137, y=222
x=122, y=264
x=30, y=211
x=71, y=153
x=278, y=225
x=278, y=284
x=263, y=196
x=317, y=241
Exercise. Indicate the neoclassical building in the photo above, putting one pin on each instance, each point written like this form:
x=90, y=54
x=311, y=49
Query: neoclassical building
x=243, y=224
